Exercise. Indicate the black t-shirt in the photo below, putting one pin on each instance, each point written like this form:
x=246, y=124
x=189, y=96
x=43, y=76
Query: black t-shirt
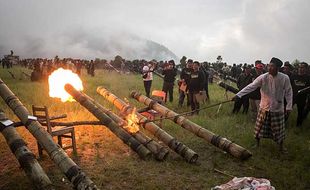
x=169, y=75
x=196, y=82
x=300, y=82
x=186, y=74
x=255, y=95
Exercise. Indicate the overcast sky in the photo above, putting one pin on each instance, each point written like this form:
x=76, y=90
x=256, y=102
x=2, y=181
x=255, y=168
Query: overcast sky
x=238, y=30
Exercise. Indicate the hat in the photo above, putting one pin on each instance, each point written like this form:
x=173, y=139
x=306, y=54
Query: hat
x=258, y=62
x=276, y=61
x=171, y=61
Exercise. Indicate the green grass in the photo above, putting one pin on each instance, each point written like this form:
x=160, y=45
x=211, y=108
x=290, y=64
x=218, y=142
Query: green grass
x=113, y=165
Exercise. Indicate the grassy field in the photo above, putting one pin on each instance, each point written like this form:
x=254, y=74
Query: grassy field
x=113, y=165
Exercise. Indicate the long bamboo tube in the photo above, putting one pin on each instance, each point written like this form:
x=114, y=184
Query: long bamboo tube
x=158, y=150
x=24, y=156
x=67, y=124
x=228, y=87
x=188, y=154
x=121, y=133
x=72, y=171
x=210, y=137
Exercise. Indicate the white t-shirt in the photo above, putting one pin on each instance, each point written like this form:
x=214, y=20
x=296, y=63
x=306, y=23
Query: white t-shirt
x=273, y=90
x=149, y=74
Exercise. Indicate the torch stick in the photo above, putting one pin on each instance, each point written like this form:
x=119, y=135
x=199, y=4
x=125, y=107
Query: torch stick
x=224, y=173
x=72, y=171
x=140, y=149
x=304, y=90
x=156, y=73
x=188, y=154
x=158, y=150
x=187, y=113
x=26, y=74
x=24, y=156
x=210, y=137
x=160, y=75
x=12, y=75
x=113, y=67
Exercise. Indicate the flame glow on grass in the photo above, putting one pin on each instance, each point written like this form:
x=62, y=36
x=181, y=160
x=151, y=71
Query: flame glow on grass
x=132, y=122
x=57, y=81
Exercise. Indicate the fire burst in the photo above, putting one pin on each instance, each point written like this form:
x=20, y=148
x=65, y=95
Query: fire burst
x=132, y=121
x=57, y=81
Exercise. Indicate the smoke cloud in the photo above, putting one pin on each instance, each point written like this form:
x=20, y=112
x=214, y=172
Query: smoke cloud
x=239, y=31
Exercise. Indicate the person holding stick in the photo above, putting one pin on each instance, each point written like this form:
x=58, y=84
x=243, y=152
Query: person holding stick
x=147, y=75
x=274, y=87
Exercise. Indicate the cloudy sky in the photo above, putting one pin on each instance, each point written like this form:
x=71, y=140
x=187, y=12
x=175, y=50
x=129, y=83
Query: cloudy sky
x=238, y=30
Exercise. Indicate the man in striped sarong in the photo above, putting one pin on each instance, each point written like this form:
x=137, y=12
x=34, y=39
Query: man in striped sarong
x=274, y=87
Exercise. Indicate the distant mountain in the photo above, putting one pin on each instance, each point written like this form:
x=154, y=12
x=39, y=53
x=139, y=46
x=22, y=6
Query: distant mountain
x=159, y=52
x=89, y=45
x=132, y=47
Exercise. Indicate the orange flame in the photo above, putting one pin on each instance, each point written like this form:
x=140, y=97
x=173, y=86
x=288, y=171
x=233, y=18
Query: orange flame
x=132, y=121
x=57, y=81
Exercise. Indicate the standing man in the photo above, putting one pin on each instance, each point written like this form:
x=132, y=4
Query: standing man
x=195, y=86
x=255, y=95
x=205, y=69
x=169, y=73
x=243, y=80
x=147, y=75
x=301, y=81
x=185, y=77
x=92, y=68
x=274, y=87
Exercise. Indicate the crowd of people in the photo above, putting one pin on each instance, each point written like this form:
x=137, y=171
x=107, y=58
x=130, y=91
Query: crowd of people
x=271, y=90
x=193, y=82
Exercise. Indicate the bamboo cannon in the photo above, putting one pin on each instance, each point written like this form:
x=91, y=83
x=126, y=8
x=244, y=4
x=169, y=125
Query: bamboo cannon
x=66, y=124
x=158, y=150
x=121, y=133
x=188, y=154
x=72, y=171
x=228, y=87
x=210, y=137
x=24, y=156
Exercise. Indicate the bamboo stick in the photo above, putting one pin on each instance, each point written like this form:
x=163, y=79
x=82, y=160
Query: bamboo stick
x=228, y=87
x=210, y=137
x=67, y=124
x=72, y=171
x=140, y=149
x=24, y=156
x=158, y=150
x=188, y=154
